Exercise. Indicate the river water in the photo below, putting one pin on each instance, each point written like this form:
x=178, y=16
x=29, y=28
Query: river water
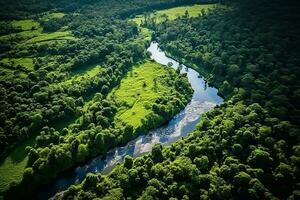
x=204, y=99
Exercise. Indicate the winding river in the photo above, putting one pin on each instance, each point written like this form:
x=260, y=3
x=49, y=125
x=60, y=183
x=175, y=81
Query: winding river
x=204, y=99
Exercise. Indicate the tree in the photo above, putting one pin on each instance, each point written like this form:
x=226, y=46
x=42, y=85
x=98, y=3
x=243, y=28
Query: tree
x=128, y=162
x=91, y=181
x=261, y=159
x=157, y=153
x=202, y=163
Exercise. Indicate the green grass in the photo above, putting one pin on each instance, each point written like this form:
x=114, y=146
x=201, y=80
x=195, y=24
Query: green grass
x=55, y=15
x=24, y=62
x=32, y=32
x=25, y=25
x=24, y=35
x=12, y=168
x=145, y=34
x=173, y=13
x=137, y=92
x=65, y=35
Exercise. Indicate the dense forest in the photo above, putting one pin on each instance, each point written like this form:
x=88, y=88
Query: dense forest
x=70, y=70
x=248, y=148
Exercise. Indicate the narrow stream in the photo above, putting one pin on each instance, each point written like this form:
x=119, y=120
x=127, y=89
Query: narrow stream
x=204, y=99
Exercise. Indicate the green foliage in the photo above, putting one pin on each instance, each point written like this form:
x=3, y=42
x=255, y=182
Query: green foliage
x=128, y=162
x=248, y=147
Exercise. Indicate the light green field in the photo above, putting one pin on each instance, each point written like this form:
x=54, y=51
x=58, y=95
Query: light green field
x=137, y=92
x=12, y=168
x=25, y=25
x=23, y=62
x=145, y=34
x=55, y=15
x=42, y=37
x=32, y=32
x=24, y=35
x=173, y=13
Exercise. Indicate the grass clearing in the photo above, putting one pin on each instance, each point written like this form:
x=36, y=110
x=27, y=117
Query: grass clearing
x=65, y=35
x=32, y=32
x=23, y=36
x=12, y=167
x=145, y=34
x=25, y=25
x=137, y=91
x=23, y=62
x=173, y=13
x=55, y=15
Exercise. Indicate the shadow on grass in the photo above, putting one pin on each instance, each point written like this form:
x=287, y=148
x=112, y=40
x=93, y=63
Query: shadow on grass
x=19, y=153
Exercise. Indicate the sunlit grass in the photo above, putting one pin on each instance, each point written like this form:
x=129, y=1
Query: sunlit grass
x=25, y=25
x=65, y=35
x=173, y=13
x=23, y=62
x=12, y=168
x=138, y=91
x=55, y=15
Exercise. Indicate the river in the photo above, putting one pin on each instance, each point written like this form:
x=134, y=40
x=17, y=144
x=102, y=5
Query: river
x=204, y=99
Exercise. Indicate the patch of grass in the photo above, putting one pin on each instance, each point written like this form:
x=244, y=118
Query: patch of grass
x=137, y=91
x=12, y=168
x=23, y=62
x=173, y=13
x=193, y=11
x=55, y=15
x=26, y=25
x=145, y=34
x=22, y=36
x=65, y=35
x=32, y=32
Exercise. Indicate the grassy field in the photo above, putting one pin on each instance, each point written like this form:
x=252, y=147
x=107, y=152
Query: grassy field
x=12, y=168
x=173, y=13
x=138, y=91
x=23, y=62
x=65, y=35
x=31, y=32
x=55, y=15
x=25, y=25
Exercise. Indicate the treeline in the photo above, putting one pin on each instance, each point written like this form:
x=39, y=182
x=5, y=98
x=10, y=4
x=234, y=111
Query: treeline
x=247, y=148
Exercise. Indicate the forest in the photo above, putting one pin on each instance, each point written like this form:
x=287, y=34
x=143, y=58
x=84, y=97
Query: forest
x=77, y=80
